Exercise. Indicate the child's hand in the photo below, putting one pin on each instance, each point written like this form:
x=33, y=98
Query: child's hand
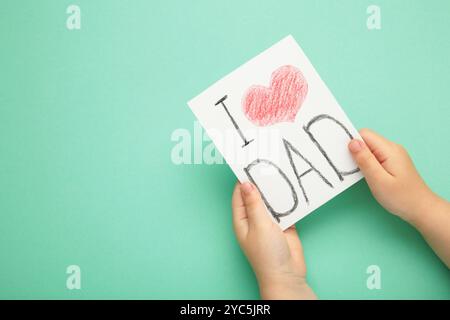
x=276, y=256
x=391, y=175
x=398, y=187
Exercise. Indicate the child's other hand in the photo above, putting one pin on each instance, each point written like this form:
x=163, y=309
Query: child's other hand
x=397, y=186
x=276, y=256
x=391, y=175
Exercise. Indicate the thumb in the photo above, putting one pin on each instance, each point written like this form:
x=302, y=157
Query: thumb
x=254, y=206
x=366, y=161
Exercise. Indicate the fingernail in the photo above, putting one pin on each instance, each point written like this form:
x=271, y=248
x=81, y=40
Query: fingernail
x=247, y=188
x=355, y=145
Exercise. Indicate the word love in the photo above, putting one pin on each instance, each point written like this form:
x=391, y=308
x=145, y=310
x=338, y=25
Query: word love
x=280, y=101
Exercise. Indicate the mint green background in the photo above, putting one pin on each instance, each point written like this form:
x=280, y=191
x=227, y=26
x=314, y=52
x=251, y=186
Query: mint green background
x=86, y=118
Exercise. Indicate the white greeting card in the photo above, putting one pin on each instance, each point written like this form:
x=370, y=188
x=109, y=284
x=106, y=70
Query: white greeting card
x=277, y=125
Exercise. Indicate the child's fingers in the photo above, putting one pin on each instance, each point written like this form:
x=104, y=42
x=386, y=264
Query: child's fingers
x=367, y=162
x=256, y=211
x=240, y=221
x=380, y=147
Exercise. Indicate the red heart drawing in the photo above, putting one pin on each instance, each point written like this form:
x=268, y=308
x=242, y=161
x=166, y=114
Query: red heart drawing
x=280, y=102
